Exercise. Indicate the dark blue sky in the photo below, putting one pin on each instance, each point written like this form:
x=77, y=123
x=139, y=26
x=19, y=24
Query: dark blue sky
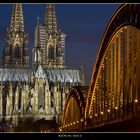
x=84, y=25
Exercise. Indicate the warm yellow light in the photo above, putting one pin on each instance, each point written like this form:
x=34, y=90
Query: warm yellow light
x=65, y=125
x=95, y=115
x=68, y=125
x=60, y=130
x=91, y=117
x=81, y=120
x=136, y=100
x=102, y=113
x=108, y=110
x=116, y=107
x=73, y=122
x=77, y=121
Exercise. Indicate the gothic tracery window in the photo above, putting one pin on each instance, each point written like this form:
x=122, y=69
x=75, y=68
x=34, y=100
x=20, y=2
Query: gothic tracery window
x=58, y=51
x=51, y=52
x=17, y=51
x=52, y=99
x=41, y=96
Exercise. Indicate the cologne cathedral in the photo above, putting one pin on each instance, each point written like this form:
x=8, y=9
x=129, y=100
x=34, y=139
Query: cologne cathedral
x=37, y=91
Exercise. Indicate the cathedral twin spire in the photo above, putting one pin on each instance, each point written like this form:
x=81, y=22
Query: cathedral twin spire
x=49, y=41
x=16, y=52
x=50, y=18
x=17, y=21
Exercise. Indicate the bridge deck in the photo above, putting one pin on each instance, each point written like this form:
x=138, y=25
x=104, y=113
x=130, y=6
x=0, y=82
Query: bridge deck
x=128, y=125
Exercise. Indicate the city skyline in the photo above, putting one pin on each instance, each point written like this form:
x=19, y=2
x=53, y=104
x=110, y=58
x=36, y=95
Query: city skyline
x=84, y=29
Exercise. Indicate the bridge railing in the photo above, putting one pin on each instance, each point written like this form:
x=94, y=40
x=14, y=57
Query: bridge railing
x=114, y=116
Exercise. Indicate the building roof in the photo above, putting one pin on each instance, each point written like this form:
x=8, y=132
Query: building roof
x=14, y=74
x=64, y=75
x=53, y=75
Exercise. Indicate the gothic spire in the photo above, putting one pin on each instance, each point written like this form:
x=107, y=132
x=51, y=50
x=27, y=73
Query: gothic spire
x=38, y=33
x=50, y=18
x=17, y=22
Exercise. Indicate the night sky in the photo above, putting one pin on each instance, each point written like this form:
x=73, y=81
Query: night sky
x=84, y=25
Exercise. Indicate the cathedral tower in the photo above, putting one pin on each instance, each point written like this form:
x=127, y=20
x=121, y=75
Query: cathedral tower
x=55, y=40
x=16, y=53
x=53, y=45
x=39, y=44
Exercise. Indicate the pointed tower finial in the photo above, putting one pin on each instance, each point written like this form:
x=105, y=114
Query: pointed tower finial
x=17, y=22
x=50, y=18
x=16, y=41
x=38, y=18
x=38, y=33
x=82, y=75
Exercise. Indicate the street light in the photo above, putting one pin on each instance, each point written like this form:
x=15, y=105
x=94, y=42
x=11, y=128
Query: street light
x=90, y=117
x=108, y=110
x=102, y=113
x=116, y=107
x=136, y=100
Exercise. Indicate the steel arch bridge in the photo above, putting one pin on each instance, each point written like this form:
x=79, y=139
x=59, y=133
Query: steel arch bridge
x=114, y=90
x=75, y=105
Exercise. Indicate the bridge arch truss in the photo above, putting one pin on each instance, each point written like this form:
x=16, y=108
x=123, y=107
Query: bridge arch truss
x=114, y=91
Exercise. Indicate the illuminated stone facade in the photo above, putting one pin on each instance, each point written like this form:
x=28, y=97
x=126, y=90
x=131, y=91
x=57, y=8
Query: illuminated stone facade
x=49, y=47
x=37, y=92
x=16, y=52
